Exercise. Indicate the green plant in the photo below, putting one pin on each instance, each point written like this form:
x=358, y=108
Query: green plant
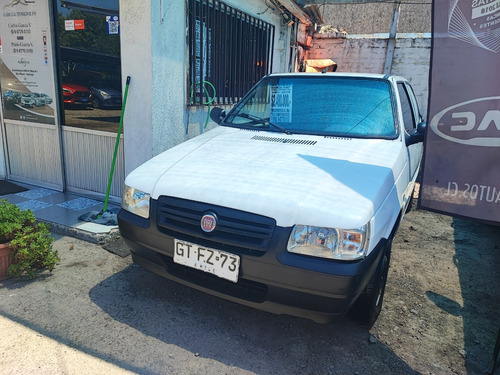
x=31, y=242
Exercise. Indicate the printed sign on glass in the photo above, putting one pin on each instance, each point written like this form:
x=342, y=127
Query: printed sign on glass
x=26, y=70
x=281, y=103
x=113, y=25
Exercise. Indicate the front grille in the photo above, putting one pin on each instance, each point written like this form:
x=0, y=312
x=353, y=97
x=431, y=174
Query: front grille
x=236, y=231
x=81, y=94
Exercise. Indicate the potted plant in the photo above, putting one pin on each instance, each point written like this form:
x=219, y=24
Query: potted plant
x=25, y=245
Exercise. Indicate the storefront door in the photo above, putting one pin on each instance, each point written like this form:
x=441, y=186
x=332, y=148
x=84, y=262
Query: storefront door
x=88, y=48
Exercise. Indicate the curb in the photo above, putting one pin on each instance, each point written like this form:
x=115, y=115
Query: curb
x=96, y=238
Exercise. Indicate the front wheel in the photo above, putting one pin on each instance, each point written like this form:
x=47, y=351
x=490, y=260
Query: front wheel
x=95, y=103
x=369, y=304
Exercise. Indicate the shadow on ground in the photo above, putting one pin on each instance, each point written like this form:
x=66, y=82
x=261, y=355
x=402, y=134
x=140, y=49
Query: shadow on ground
x=479, y=277
x=481, y=298
x=182, y=319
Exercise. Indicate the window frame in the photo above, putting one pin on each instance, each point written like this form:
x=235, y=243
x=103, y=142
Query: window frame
x=404, y=92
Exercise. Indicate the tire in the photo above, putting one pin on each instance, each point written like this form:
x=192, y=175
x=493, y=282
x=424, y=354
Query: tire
x=95, y=103
x=369, y=304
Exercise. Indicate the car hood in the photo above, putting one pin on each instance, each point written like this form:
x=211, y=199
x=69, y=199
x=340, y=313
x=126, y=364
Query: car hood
x=286, y=177
x=75, y=87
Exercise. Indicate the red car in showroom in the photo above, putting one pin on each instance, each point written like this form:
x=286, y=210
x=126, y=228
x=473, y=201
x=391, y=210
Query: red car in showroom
x=74, y=94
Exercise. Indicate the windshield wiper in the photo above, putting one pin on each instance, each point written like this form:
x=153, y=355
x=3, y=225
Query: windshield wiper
x=263, y=121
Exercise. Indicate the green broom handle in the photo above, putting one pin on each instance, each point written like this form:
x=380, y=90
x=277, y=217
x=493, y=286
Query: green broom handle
x=116, y=147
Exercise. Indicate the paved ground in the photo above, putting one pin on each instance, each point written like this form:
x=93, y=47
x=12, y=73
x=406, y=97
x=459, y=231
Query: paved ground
x=63, y=211
x=30, y=352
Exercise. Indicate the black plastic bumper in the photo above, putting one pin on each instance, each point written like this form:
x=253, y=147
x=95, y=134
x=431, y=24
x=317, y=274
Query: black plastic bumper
x=276, y=281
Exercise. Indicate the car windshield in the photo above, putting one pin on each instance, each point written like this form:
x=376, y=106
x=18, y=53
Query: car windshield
x=325, y=105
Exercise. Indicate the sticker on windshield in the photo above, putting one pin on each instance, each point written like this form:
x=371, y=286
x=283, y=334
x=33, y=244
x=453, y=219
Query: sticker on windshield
x=281, y=103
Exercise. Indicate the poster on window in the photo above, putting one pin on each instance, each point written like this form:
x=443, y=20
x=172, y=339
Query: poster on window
x=461, y=174
x=281, y=103
x=26, y=66
x=113, y=23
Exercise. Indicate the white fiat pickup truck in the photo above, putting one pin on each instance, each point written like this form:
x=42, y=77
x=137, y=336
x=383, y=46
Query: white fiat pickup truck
x=292, y=203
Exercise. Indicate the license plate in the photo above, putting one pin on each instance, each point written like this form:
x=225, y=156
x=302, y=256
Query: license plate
x=219, y=263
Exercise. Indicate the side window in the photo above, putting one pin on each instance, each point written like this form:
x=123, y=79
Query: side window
x=406, y=107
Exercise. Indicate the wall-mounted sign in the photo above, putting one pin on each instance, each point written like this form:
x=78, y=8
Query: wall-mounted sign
x=26, y=68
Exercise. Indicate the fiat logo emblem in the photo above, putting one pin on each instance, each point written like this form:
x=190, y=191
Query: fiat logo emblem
x=208, y=222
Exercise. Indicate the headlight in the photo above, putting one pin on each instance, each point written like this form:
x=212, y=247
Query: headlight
x=135, y=201
x=329, y=242
x=105, y=95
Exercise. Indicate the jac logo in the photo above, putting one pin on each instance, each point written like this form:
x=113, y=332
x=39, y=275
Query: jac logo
x=475, y=122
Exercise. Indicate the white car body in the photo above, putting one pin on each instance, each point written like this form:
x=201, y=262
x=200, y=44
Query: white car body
x=355, y=186
x=371, y=184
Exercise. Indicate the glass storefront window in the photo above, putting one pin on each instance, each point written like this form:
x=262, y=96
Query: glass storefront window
x=88, y=43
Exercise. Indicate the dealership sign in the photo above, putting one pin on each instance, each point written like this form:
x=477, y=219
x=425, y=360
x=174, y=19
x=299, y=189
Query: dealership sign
x=461, y=173
x=26, y=65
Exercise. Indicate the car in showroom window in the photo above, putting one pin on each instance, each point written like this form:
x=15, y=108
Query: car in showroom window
x=292, y=204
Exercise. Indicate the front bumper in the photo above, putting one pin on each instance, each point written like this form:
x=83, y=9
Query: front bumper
x=275, y=281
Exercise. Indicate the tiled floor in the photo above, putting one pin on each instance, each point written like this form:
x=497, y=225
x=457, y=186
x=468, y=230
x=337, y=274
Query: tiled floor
x=63, y=209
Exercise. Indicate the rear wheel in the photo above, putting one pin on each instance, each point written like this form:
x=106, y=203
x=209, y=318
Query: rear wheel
x=369, y=304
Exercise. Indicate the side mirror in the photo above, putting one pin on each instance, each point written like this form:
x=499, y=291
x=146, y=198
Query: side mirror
x=217, y=114
x=418, y=135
